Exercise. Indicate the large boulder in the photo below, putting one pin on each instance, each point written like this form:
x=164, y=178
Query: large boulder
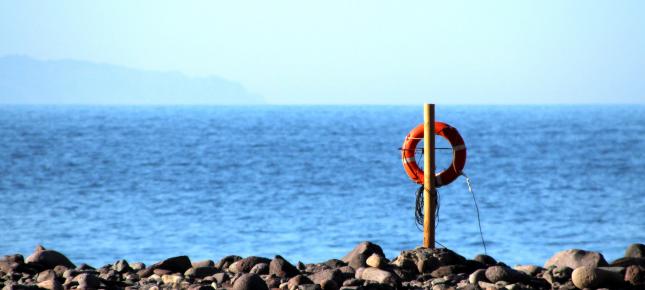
x=49, y=259
x=501, y=273
x=329, y=274
x=427, y=260
x=282, y=268
x=575, y=258
x=358, y=256
x=249, y=282
x=635, y=251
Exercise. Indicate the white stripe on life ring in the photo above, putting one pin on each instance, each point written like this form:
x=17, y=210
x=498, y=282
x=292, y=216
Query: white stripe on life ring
x=409, y=160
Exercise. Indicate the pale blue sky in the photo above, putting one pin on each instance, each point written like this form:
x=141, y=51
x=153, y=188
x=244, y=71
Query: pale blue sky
x=368, y=52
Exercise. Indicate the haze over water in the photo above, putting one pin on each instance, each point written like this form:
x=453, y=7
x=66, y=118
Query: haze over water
x=310, y=182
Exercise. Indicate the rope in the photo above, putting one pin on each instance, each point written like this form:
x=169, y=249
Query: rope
x=418, y=208
x=479, y=222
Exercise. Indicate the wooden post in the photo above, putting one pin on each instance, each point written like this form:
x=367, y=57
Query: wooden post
x=429, y=204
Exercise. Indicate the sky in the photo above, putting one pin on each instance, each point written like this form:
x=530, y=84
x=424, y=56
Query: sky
x=357, y=52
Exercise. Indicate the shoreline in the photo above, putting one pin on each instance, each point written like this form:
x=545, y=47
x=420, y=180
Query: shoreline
x=364, y=267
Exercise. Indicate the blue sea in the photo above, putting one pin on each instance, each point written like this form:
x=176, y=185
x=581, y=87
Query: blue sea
x=310, y=182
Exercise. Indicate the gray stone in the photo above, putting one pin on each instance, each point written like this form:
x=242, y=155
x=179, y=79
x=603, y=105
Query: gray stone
x=45, y=275
x=249, y=282
x=122, y=266
x=226, y=262
x=137, y=266
x=635, y=251
x=575, y=258
x=358, y=256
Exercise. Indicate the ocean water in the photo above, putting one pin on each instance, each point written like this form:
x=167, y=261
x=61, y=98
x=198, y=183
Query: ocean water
x=310, y=182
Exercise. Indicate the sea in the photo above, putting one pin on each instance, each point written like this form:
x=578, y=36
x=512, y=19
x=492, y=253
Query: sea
x=144, y=183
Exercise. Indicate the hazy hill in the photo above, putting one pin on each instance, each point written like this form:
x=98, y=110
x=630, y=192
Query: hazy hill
x=24, y=80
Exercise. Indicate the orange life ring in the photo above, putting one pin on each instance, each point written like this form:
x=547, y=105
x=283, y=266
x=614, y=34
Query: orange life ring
x=458, y=154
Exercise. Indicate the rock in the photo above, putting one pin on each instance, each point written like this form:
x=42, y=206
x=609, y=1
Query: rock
x=376, y=261
x=635, y=251
x=245, y=265
x=177, y=264
x=478, y=275
x=486, y=260
x=249, y=282
x=15, y=258
x=495, y=274
x=201, y=287
x=298, y=280
x=46, y=275
x=272, y=281
x=121, y=266
x=171, y=279
x=590, y=277
x=220, y=278
x=162, y=272
x=329, y=285
x=85, y=267
x=447, y=270
x=328, y=274
x=137, y=266
x=575, y=258
x=308, y=287
x=530, y=270
x=635, y=275
x=379, y=275
x=226, y=262
x=49, y=259
x=282, y=268
x=628, y=261
x=358, y=256
x=200, y=272
x=260, y=269
x=86, y=280
x=50, y=285
x=334, y=263
x=204, y=263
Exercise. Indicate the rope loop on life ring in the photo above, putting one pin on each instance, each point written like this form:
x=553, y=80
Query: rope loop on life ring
x=449, y=174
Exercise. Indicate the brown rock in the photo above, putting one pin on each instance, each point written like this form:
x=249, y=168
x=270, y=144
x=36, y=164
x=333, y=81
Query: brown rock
x=590, y=277
x=328, y=274
x=200, y=272
x=486, y=260
x=177, y=264
x=358, y=256
x=329, y=285
x=226, y=262
x=49, y=259
x=245, y=265
x=376, y=261
x=575, y=258
x=530, y=270
x=447, y=270
x=249, y=282
x=204, y=263
x=635, y=275
x=50, y=285
x=298, y=280
x=260, y=269
x=46, y=275
x=379, y=275
x=495, y=274
x=86, y=280
x=282, y=268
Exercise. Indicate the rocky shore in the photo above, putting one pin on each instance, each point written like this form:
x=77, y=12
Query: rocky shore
x=365, y=267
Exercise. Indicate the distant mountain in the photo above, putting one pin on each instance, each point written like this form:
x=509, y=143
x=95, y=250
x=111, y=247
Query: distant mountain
x=24, y=80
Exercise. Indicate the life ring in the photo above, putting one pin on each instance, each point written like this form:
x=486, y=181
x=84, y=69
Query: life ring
x=449, y=174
